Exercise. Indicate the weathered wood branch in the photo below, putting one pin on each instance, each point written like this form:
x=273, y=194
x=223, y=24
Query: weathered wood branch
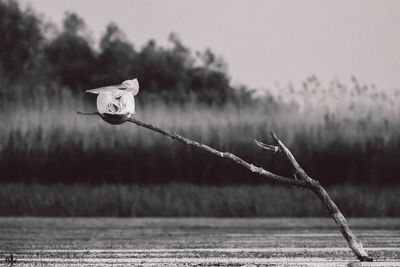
x=304, y=180
x=220, y=154
x=333, y=210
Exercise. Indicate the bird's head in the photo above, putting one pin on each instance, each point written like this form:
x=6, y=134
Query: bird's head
x=132, y=86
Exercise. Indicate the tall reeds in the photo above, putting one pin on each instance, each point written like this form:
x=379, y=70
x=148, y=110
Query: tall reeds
x=353, y=128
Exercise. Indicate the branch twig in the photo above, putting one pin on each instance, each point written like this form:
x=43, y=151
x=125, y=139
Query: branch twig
x=267, y=147
x=88, y=113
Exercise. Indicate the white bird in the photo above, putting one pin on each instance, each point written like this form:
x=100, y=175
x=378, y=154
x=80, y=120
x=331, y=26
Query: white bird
x=116, y=103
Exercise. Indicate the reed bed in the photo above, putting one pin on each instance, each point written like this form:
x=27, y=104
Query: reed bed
x=339, y=134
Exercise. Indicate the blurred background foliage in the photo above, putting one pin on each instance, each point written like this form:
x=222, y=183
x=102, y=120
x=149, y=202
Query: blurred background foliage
x=340, y=132
x=38, y=54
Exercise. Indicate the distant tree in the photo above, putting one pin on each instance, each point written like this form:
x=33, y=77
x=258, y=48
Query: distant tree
x=163, y=71
x=21, y=40
x=210, y=87
x=173, y=74
x=73, y=24
x=115, y=61
x=66, y=59
x=210, y=81
x=211, y=61
x=71, y=56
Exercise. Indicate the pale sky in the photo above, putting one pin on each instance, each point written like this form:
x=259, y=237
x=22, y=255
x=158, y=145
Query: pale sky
x=263, y=42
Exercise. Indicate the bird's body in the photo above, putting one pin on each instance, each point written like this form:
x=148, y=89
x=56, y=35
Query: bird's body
x=116, y=103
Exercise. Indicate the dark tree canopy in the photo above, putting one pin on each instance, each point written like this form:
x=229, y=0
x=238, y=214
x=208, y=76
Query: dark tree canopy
x=114, y=62
x=71, y=59
x=21, y=39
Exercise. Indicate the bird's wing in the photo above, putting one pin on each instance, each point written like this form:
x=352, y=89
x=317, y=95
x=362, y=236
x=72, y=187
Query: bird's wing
x=106, y=88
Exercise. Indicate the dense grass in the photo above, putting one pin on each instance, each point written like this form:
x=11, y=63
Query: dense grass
x=338, y=133
x=191, y=200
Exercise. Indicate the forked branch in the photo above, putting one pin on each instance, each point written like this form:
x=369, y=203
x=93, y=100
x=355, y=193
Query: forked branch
x=333, y=210
x=304, y=180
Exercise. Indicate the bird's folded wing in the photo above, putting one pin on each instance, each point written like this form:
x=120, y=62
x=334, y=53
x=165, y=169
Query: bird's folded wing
x=106, y=88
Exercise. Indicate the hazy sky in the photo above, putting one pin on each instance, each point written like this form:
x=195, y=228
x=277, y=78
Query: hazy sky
x=263, y=42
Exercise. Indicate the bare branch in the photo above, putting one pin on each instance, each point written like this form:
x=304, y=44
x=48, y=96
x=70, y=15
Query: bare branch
x=333, y=210
x=220, y=154
x=291, y=158
x=304, y=182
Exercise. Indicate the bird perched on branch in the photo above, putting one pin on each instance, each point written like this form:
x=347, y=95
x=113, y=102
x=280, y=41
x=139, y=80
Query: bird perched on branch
x=116, y=103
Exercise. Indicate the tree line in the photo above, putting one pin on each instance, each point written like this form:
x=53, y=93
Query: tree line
x=36, y=53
